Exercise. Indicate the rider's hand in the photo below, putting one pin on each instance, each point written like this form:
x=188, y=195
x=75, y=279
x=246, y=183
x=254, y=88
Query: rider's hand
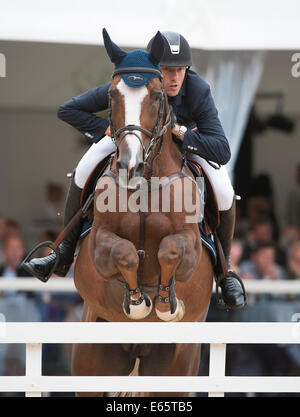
x=107, y=132
x=173, y=117
x=175, y=126
x=175, y=131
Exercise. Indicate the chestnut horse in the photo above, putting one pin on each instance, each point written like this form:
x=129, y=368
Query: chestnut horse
x=142, y=265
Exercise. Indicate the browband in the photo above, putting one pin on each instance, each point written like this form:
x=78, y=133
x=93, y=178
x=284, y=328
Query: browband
x=136, y=69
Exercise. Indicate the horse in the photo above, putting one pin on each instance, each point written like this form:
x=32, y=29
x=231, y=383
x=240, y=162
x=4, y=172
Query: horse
x=146, y=265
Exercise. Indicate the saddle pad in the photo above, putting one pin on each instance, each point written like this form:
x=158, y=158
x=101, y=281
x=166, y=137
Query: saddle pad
x=207, y=240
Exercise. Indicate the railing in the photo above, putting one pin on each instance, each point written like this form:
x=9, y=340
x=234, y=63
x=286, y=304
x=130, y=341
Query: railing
x=215, y=334
x=67, y=284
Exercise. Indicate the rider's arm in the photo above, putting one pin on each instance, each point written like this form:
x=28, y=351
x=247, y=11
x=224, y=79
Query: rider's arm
x=208, y=140
x=79, y=113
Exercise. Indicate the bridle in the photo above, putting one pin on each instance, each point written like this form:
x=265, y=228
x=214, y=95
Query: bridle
x=156, y=135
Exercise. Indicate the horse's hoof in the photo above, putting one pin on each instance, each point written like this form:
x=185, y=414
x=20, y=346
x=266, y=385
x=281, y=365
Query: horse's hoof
x=140, y=311
x=176, y=316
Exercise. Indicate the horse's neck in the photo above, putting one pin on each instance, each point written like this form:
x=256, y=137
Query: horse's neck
x=169, y=160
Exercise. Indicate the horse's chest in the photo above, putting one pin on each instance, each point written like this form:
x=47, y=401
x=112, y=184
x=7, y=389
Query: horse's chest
x=156, y=226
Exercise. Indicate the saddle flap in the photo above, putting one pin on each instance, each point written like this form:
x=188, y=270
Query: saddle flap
x=91, y=182
x=211, y=209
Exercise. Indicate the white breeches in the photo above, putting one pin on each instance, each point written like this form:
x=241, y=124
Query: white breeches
x=91, y=158
x=98, y=151
x=221, y=182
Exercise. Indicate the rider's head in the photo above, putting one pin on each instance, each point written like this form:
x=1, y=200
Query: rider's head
x=175, y=61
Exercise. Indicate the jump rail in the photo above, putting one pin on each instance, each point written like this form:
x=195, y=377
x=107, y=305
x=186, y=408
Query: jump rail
x=215, y=334
x=67, y=284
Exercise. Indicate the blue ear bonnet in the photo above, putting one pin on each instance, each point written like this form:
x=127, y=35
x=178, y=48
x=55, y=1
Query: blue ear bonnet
x=137, y=58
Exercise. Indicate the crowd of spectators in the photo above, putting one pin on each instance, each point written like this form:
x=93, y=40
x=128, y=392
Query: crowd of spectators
x=261, y=250
x=34, y=306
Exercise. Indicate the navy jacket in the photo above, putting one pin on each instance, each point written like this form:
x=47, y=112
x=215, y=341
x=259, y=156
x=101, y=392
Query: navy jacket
x=193, y=106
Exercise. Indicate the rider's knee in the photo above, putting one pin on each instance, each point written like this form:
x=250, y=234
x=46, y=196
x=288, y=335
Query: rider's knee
x=225, y=197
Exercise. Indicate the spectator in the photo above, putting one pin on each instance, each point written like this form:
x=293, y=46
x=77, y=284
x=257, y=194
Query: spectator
x=15, y=305
x=258, y=209
x=12, y=228
x=260, y=232
x=293, y=202
x=14, y=252
x=49, y=213
x=293, y=261
x=289, y=235
x=261, y=187
x=236, y=254
x=262, y=264
x=2, y=237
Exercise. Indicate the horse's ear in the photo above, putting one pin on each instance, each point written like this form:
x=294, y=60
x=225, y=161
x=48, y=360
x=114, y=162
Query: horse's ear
x=115, y=53
x=157, y=49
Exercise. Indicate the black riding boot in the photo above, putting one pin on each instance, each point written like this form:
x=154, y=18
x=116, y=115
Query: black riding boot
x=41, y=267
x=233, y=291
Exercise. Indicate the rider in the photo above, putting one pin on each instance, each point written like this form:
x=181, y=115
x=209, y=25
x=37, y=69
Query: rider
x=196, y=128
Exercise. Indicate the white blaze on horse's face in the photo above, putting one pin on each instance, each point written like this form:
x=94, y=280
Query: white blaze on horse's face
x=133, y=99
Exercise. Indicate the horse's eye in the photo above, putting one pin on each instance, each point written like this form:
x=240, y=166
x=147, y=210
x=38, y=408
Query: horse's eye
x=112, y=93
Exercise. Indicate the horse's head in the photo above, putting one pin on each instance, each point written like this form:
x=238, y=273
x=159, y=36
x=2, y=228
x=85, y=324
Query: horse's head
x=137, y=104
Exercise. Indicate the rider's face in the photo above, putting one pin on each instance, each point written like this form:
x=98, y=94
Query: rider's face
x=173, y=78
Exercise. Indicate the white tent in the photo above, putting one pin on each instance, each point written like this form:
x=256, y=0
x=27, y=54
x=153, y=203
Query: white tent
x=52, y=51
x=207, y=24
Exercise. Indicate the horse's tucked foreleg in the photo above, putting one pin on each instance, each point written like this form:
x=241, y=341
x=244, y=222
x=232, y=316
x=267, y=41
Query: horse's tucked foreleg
x=137, y=305
x=113, y=255
x=175, y=252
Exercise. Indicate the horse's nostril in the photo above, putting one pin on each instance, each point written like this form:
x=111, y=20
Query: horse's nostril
x=118, y=165
x=131, y=173
x=140, y=168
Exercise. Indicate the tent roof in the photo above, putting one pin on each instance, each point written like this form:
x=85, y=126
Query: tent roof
x=211, y=25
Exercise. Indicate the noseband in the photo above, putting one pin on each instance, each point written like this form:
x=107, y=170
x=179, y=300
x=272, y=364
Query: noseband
x=155, y=135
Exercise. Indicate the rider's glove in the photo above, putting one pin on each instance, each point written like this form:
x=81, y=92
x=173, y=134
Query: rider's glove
x=173, y=117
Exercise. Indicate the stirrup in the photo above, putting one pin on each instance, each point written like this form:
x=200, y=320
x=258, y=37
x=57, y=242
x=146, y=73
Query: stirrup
x=221, y=305
x=48, y=244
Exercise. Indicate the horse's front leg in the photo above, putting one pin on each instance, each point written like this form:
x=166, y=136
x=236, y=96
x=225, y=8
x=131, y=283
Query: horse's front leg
x=112, y=255
x=178, y=254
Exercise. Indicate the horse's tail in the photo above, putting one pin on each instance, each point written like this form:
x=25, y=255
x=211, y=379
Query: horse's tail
x=134, y=372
